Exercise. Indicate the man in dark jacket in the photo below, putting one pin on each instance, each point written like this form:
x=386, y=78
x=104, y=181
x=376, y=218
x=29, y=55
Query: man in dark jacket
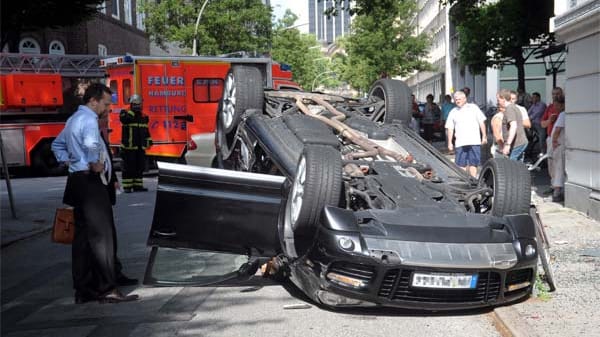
x=135, y=139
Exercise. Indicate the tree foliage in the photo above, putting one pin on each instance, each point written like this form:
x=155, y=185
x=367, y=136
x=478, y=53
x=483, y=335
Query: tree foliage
x=500, y=33
x=19, y=16
x=383, y=42
x=225, y=25
x=300, y=51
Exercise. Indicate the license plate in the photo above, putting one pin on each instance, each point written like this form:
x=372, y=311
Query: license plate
x=444, y=281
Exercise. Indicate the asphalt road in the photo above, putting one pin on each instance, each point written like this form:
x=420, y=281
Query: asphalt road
x=37, y=299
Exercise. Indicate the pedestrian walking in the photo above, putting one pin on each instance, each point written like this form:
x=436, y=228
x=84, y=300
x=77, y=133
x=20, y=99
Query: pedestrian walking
x=80, y=146
x=513, y=133
x=466, y=122
x=135, y=139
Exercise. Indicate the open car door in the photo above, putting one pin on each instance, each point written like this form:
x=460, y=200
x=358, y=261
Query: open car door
x=210, y=225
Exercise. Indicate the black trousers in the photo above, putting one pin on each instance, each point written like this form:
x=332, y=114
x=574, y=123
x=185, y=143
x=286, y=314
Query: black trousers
x=134, y=162
x=93, y=250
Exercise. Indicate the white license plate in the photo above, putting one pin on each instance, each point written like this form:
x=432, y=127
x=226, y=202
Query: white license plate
x=444, y=280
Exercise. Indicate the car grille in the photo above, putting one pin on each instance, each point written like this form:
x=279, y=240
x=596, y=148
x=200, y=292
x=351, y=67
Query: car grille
x=358, y=271
x=396, y=286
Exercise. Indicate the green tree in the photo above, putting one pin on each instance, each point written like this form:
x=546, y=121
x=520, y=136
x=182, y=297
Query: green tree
x=383, y=42
x=501, y=33
x=225, y=26
x=19, y=16
x=300, y=51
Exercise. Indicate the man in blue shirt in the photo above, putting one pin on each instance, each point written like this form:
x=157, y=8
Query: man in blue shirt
x=80, y=146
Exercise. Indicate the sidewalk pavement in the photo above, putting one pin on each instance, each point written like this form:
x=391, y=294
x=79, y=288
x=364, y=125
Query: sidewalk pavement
x=572, y=310
x=35, y=202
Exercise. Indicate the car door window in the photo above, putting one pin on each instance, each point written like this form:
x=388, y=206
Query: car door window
x=191, y=267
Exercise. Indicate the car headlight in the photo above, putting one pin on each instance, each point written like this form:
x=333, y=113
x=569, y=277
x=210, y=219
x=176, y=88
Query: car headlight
x=346, y=243
x=530, y=250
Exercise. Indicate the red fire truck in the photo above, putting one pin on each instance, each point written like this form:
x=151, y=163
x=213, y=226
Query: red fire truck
x=37, y=95
x=180, y=95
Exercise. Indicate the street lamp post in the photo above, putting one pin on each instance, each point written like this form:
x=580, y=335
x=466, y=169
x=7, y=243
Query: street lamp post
x=194, y=50
x=312, y=88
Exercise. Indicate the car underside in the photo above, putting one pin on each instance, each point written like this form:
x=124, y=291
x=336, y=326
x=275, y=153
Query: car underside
x=350, y=204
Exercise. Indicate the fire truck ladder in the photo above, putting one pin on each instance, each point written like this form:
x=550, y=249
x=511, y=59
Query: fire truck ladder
x=65, y=65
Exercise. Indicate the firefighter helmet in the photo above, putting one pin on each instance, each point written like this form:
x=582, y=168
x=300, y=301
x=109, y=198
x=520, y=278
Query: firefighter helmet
x=135, y=99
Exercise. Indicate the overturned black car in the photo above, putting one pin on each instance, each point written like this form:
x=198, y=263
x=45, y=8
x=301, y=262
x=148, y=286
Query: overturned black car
x=347, y=202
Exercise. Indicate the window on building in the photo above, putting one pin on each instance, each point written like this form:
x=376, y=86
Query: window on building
x=56, y=48
x=207, y=90
x=102, y=50
x=140, y=16
x=127, y=8
x=29, y=46
x=115, y=9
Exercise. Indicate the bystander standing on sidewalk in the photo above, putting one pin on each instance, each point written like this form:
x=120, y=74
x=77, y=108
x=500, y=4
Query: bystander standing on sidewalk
x=535, y=112
x=513, y=133
x=558, y=152
x=447, y=106
x=466, y=122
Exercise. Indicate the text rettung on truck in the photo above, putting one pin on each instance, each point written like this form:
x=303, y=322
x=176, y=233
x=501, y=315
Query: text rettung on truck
x=181, y=96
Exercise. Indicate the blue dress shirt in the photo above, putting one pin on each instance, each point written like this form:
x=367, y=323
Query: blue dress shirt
x=79, y=143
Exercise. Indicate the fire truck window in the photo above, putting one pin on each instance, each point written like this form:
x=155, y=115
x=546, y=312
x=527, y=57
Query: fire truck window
x=126, y=90
x=207, y=90
x=114, y=87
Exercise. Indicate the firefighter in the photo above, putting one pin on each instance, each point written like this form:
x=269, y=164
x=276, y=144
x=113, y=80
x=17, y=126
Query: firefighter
x=135, y=139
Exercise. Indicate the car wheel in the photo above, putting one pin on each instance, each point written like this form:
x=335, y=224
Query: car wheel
x=317, y=183
x=43, y=161
x=511, y=183
x=243, y=90
x=396, y=95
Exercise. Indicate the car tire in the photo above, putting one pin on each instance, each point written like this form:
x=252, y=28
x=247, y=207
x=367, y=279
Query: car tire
x=397, y=97
x=511, y=182
x=317, y=183
x=243, y=89
x=44, y=163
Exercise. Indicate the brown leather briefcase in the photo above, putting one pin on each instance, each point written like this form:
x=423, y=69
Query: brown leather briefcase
x=64, y=225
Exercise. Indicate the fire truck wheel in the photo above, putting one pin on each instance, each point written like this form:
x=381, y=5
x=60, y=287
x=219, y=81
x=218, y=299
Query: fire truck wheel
x=397, y=101
x=43, y=161
x=243, y=90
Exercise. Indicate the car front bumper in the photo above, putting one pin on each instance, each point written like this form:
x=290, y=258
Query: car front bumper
x=379, y=272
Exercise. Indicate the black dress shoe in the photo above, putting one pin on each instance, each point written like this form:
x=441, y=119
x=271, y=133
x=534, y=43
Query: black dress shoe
x=115, y=296
x=81, y=298
x=123, y=280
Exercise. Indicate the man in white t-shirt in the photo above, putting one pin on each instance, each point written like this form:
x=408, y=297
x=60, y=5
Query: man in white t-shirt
x=558, y=152
x=466, y=123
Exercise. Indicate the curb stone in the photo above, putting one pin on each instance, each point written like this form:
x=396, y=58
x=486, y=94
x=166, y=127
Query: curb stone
x=511, y=319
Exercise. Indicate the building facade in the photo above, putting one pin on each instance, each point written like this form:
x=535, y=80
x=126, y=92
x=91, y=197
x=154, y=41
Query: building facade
x=328, y=29
x=578, y=26
x=449, y=75
x=117, y=29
